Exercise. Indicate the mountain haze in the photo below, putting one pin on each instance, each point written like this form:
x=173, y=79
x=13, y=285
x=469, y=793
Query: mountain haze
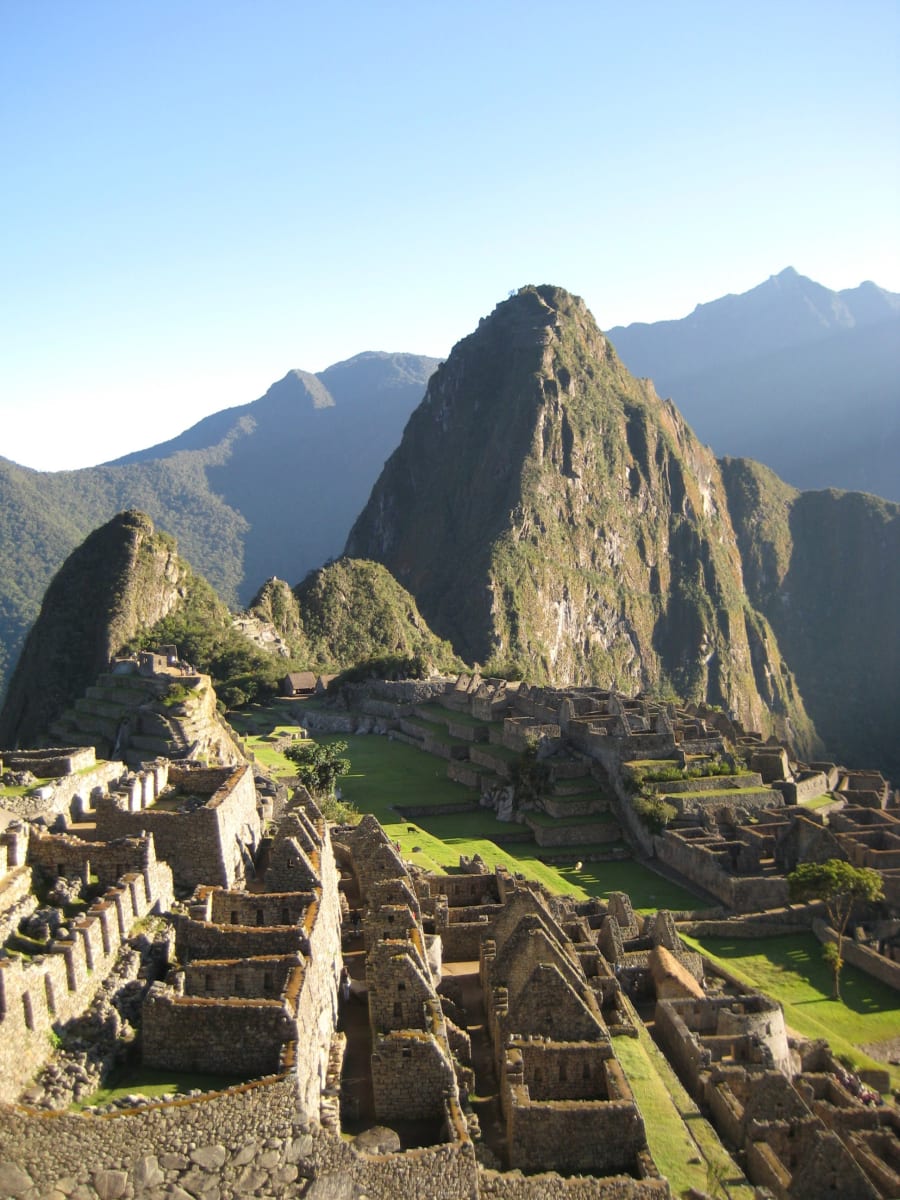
x=799, y=377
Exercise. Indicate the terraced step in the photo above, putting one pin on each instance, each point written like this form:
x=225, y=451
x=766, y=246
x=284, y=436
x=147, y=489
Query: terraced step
x=496, y=759
x=106, y=727
x=86, y=705
x=573, y=831
x=579, y=805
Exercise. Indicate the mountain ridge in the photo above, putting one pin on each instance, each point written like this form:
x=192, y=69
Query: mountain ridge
x=799, y=377
x=550, y=502
x=569, y=545
x=266, y=488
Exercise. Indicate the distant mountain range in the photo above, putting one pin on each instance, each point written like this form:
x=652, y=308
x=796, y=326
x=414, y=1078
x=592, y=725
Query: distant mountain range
x=267, y=488
x=801, y=378
x=550, y=515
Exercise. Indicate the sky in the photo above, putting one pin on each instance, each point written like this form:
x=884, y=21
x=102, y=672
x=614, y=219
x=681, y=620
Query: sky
x=199, y=195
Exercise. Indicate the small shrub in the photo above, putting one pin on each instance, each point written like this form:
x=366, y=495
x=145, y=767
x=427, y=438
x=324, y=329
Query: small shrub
x=654, y=812
x=342, y=812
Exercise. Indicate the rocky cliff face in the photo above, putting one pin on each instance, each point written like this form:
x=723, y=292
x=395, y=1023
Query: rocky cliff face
x=824, y=567
x=123, y=578
x=552, y=515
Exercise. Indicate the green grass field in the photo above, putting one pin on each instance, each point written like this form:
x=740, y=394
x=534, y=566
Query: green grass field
x=386, y=774
x=146, y=1082
x=791, y=970
x=685, y=1147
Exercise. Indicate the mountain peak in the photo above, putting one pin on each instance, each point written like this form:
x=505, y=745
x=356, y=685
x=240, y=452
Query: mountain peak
x=549, y=515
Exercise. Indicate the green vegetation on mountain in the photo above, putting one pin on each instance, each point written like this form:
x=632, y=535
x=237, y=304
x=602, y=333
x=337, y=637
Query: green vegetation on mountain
x=553, y=517
x=355, y=610
x=122, y=579
x=824, y=568
x=267, y=488
x=352, y=613
x=201, y=627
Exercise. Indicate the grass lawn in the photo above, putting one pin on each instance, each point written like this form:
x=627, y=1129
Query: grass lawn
x=386, y=773
x=817, y=802
x=791, y=970
x=147, y=1082
x=684, y=1145
x=437, y=712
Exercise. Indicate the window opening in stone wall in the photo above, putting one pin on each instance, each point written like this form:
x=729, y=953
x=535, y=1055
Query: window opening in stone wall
x=61, y=869
x=398, y=1009
x=586, y=1071
x=209, y=983
x=260, y=917
x=120, y=870
x=562, y=1070
x=401, y=987
x=234, y=916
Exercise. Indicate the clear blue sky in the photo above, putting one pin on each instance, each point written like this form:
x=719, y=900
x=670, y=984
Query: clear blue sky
x=198, y=196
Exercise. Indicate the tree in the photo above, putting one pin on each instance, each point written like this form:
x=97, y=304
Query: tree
x=318, y=765
x=838, y=885
x=530, y=777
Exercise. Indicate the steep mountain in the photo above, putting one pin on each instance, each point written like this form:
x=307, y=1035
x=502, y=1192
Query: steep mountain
x=804, y=379
x=824, y=567
x=553, y=516
x=351, y=611
x=124, y=577
x=270, y=487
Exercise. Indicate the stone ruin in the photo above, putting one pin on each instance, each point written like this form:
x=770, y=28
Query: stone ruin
x=460, y=986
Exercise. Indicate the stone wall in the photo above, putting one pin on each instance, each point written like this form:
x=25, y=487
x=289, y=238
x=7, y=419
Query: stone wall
x=193, y=1033
x=591, y=831
x=513, y=1185
x=412, y=1076
x=207, y=844
x=45, y=764
x=610, y=1135
x=258, y=908
x=696, y=1034
x=806, y=788
x=70, y=793
x=237, y=976
x=245, y=1141
x=203, y=939
x=61, y=854
x=562, y=1070
x=700, y=864
x=39, y=995
x=860, y=956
